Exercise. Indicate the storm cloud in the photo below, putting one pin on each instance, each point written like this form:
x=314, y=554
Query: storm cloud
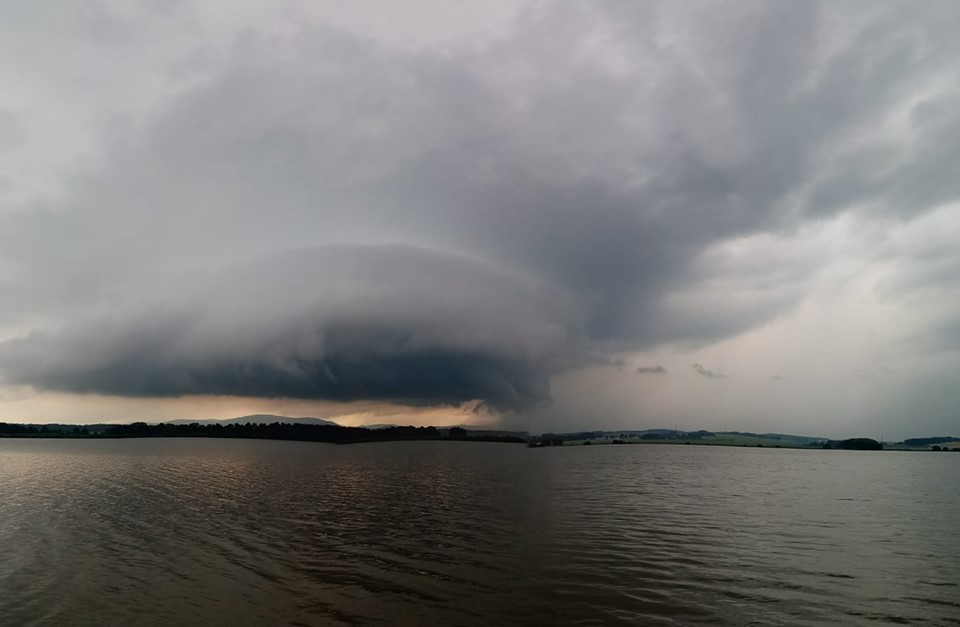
x=340, y=323
x=302, y=203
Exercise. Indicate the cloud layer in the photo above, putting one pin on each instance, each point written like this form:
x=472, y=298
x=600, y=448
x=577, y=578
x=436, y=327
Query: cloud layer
x=296, y=202
x=342, y=323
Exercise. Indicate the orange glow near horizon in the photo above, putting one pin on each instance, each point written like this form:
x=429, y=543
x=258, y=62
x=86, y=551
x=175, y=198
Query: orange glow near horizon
x=26, y=406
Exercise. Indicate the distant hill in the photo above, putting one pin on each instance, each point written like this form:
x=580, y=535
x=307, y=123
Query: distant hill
x=265, y=419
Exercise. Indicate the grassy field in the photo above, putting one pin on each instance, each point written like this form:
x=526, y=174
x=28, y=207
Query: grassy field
x=732, y=438
x=718, y=439
x=948, y=445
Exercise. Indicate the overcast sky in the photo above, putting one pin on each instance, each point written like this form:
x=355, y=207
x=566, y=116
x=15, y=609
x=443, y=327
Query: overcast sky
x=555, y=215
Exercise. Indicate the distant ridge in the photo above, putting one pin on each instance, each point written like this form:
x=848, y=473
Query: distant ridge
x=265, y=419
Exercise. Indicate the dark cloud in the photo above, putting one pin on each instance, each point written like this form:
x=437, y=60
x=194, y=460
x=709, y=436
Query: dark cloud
x=651, y=370
x=710, y=374
x=343, y=323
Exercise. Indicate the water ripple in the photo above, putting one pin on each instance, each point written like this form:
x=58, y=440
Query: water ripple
x=212, y=532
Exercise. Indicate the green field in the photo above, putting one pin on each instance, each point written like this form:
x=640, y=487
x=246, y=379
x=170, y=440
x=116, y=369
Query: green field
x=717, y=439
x=724, y=438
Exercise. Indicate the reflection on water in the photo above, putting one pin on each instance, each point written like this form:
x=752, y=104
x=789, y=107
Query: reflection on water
x=217, y=532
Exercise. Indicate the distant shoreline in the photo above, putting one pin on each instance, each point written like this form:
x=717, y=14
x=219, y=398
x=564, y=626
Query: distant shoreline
x=336, y=434
x=330, y=434
x=741, y=440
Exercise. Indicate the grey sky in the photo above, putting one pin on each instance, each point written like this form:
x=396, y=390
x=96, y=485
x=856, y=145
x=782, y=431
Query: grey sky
x=485, y=209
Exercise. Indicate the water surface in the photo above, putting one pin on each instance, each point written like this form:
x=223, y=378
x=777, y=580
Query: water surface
x=234, y=532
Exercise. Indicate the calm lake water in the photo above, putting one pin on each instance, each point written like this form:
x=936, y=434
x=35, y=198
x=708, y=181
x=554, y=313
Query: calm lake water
x=230, y=532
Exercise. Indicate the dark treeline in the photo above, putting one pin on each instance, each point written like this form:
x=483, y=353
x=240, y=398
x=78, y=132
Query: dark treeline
x=855, y=444
x=273, y=431
x=928, y=441
x=8, y=429
x=557, y=439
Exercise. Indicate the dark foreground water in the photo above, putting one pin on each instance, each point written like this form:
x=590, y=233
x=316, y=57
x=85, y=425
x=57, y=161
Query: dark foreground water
x=227, y=532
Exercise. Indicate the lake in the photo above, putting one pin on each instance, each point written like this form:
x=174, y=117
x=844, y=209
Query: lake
x=242, y=532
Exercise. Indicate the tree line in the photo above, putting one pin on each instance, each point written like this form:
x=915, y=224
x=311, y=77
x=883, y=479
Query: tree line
x=274, y=431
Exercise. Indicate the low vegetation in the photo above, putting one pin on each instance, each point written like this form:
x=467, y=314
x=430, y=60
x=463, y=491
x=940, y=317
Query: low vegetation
x=312, y=432
x=739, y=438
x=273, y=431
